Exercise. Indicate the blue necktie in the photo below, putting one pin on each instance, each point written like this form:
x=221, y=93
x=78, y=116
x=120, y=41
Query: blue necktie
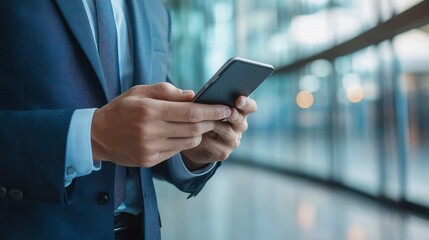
x=108, y=51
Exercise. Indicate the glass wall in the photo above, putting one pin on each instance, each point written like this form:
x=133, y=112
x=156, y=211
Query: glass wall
x=359, y=119
x=412, y=51
x=358, y=124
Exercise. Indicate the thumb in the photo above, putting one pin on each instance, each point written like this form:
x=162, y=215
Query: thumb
x=163, y=91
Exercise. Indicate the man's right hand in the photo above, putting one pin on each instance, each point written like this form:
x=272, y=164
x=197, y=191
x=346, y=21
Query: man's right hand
x=148, y=124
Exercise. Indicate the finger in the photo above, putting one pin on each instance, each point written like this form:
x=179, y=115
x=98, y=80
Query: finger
x=180, y=144
x=215, y=150
x=246, y=105
x=238, y=120
x=193, y=112
x=162, y=91
x=180, y=130
x=224, y=131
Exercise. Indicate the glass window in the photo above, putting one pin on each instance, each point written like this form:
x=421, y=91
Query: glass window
x=390, y=159
x=351, y=17
x=292, y=126
x=312, y=118
x=203, y=39
x=357, y=138
x=412, y=49
x=259, y=143
x=415, y=228
x=359, y=119
x=386, y=9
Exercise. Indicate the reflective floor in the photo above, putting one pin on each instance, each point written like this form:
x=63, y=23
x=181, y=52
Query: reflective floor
x=245, y=203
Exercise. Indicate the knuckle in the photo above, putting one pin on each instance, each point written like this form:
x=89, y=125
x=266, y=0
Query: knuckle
x=134, y=90
x=234, y=118
x=145, y=111
x=192, y=142
x=165, y=86
x=143, y=107
x=229, y=133
x=195, y=129
x=144, y=133
x=194, y=114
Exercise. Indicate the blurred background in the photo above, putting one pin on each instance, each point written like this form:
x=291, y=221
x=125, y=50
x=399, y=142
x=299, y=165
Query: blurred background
x=339, y=147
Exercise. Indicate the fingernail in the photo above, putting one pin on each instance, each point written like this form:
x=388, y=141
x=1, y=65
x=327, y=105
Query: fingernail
x=187, y=92
x=242, y=102
x=227, y=112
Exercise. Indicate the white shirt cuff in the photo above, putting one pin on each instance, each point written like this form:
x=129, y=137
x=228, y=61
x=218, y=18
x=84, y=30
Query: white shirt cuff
x=181, y=173
x=79, y=160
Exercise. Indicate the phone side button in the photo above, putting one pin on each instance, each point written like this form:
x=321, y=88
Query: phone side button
x=214, y=79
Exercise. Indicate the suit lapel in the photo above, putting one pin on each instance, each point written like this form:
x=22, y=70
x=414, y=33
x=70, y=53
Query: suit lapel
x=142, y=41
x=77, y=19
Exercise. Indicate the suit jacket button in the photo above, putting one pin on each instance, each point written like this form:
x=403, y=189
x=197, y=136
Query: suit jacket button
x=103, y=198
x=3, y=192
x=16, y=194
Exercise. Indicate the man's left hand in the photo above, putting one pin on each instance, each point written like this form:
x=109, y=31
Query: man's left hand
x=218, y=144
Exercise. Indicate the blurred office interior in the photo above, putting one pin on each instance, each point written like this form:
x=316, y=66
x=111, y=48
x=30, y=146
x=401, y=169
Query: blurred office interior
x=339, y=146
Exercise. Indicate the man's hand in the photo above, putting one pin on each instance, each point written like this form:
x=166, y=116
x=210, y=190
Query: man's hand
x=218, y=144
x=148, y=124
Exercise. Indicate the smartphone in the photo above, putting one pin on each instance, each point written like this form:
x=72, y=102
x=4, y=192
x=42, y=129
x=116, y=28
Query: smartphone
x=237, y=77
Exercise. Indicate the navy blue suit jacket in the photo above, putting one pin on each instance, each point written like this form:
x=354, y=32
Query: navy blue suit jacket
x=48, y=68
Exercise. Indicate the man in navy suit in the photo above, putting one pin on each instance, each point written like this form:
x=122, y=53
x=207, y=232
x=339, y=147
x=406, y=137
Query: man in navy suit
x=83, y=131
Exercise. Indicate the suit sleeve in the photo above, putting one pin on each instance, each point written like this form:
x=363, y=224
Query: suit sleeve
x=165, y=171
x=32, y=155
